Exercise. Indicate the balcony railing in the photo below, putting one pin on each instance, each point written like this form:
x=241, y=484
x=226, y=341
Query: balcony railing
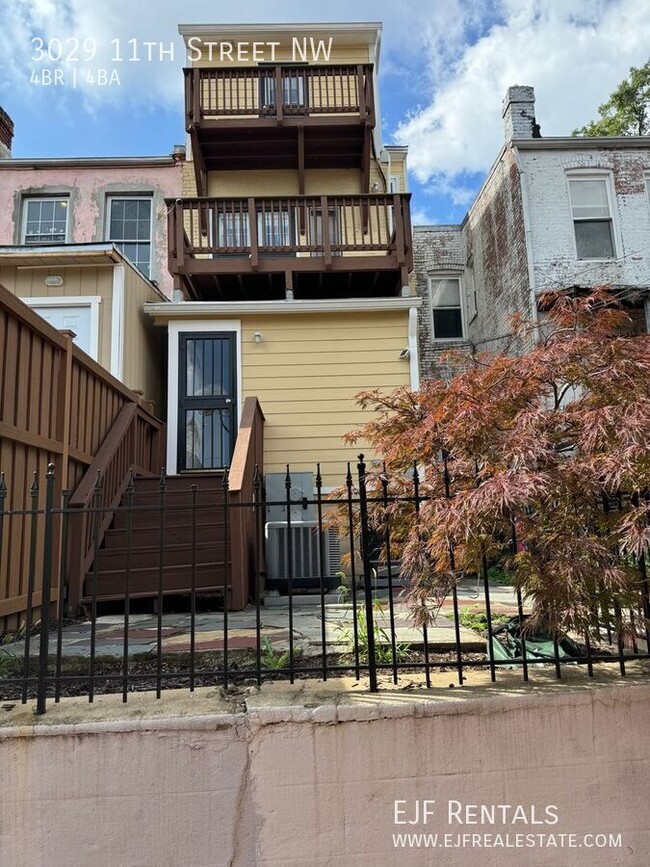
x=279, y=92
x=261, y=230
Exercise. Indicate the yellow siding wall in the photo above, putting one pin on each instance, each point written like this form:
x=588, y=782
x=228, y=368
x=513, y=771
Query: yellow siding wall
x=144, y=365
x=89, y=280
x=306, y=372
x=284, y=183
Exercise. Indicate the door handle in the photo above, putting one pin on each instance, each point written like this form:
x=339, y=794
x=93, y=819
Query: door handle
x=228, y=401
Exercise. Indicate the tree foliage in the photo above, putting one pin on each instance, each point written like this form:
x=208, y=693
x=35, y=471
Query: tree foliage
x=534, y=441
x=627, y=111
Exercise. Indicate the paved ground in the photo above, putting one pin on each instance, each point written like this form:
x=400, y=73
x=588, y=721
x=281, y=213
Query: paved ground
x=307, y=623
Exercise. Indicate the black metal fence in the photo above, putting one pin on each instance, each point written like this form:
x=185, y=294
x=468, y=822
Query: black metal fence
x=360, y=628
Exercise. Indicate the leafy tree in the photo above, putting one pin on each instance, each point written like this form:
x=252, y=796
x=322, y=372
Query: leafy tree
x=535, y=441
x=626, y=112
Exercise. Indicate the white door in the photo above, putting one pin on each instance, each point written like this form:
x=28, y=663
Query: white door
x=75, y=318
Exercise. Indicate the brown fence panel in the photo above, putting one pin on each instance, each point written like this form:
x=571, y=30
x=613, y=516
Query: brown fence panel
x=57, y=406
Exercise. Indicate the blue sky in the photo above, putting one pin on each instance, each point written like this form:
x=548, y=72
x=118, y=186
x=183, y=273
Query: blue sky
x=444, y=70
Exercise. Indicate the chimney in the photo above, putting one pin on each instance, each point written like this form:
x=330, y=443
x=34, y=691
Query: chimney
x=6, y=134
x=178, y=153
x=519, y=113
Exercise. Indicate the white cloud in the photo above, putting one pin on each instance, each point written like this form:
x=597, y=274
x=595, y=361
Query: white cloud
x=573, y=52
x=147, y=84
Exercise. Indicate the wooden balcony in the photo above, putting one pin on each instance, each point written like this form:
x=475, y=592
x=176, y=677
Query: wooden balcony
x=280, y=117
x=316, y=246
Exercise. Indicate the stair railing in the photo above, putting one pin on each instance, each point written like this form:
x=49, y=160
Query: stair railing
x=247, y=458
x=134, y=444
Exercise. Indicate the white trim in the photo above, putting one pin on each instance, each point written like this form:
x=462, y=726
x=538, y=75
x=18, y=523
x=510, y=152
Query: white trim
x=447, y=275
x=117, y=323
x=592, y=174
x=174, y=329
x=92, y=301
x=414, y=360
x=192, y=309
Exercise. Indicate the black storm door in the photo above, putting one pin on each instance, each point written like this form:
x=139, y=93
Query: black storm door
x=206, y=402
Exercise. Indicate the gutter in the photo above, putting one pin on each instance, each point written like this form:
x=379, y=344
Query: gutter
x=85, y=162
x=201, y=309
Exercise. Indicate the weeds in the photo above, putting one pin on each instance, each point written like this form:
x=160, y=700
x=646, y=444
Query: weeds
x=473, y=617
x=272, y=658
x=383, y=647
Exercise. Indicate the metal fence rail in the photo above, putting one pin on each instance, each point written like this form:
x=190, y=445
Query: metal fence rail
x=366, y=642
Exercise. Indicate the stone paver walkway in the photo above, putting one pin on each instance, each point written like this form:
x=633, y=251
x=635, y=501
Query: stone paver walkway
x=307, y=627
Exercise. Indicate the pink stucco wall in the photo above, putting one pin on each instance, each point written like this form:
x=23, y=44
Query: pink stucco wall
x=88, y=188
x=330, y=785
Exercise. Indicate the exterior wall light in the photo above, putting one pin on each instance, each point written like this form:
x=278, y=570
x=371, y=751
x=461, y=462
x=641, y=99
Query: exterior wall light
x=257, y=337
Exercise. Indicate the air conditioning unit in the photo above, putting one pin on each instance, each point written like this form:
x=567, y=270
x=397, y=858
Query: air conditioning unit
x=305, y=543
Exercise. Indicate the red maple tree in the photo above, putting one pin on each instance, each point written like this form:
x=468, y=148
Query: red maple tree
x=551, y=442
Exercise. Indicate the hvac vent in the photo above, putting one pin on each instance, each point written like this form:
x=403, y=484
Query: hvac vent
x=305, y=543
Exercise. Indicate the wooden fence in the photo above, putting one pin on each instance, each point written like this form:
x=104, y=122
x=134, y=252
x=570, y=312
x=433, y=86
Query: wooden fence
x=57, y=406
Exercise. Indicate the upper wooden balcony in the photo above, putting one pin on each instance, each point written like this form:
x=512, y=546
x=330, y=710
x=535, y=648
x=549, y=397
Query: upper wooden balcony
x=257, y=248
x=280, y=117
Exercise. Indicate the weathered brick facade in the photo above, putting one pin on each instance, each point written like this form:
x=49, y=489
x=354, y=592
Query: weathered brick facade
x=6, y=134
x=518, y=237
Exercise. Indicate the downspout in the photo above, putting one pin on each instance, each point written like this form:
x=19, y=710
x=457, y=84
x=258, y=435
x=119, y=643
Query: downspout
x=414, y=360
x=525, y=210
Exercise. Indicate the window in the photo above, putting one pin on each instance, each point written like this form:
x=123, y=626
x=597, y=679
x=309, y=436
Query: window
x=592, y=219
x=293, y=90
x=46, y=221
x=129, y=227
x=394, y=185
x=446, y=308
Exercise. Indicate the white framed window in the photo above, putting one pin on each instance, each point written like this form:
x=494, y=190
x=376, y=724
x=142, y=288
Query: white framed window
x=129, y=227
x=394, y=185
x=446, y=299
x=591, y=211
x=45, y=220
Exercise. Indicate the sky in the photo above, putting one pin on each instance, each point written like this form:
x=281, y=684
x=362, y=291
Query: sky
x=444, y=70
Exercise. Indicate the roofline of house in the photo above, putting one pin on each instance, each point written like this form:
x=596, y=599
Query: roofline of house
x=21, y=254
x=582, y=142
x=85, y=162
x=428, y=226
x=199, y=309
x=372, y=28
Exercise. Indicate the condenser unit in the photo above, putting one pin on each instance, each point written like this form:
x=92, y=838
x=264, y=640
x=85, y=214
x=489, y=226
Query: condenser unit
x=305, y=543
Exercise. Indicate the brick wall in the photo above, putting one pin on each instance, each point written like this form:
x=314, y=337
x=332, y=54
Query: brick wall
x=436, y=249
x=554, y=256
x=496, y=252
x=488, y=251
x=6, y=134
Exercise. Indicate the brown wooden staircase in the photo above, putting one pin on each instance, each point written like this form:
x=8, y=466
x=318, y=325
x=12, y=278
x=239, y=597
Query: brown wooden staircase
x=133, y=532
x=162, y=530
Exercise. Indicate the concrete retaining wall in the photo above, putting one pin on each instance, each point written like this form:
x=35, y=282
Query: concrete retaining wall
x=309, y=786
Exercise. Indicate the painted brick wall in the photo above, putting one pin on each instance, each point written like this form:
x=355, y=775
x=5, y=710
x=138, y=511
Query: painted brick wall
x=488, y=250
x=554, y=256
x=436, y=249
x=496, y=254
